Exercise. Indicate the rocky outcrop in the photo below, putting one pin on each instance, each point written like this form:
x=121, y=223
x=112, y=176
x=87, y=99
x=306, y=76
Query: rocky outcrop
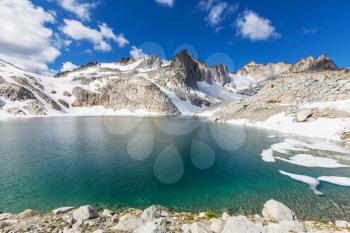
x=14, y=92
x=262, y=72
x=127, y=93
x=36, y=108
x=310, y=64
x=186, y=69
x=151, y=62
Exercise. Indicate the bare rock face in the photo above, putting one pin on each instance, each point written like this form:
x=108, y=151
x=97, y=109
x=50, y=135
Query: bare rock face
x=36, y=108
x=214, y=74
x=322, y=63
x=186, y=69
x=14, y=92
x=126, y=93
x=25, y=82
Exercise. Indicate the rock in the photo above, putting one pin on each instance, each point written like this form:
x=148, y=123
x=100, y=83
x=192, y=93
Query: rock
x=99, y=231
x=197, y=227
x=16, y=112
x=36, y=108
x=276, y=211
x=84, y=213
x=322, y=63
x=27, y=214
x=5, y=216
x=64, y=103
x=185, y=228
x=151, y=212
x=225, y=216
x=304, y=115
x=128, y=223
x=216, y=226
x=62, y=210
x=107, y=213
x=202, y=215
x=240, y=224
x=150, y=228
x=285, y=227
x=342, y=224
x=66, y=93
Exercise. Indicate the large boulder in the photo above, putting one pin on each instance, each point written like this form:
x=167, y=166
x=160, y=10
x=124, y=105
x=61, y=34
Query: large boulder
x=197, y=227
x=217, y=225
x=128, y=223
x=303, y=115
x=151, y=212
x=84, y=213
x=276, y=211
x=240, y=224
x=150, y=227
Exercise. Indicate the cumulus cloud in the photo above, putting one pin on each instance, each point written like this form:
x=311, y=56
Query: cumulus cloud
x=217, y=11
x=167, y=3
x=68, y=66
x=82, y=10
x=101, y=39
x=137, y=53
x=25, y=39
x=253, y=27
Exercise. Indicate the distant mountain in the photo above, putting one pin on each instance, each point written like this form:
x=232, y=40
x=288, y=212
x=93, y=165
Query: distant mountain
x=149, y=85
x=133, y=86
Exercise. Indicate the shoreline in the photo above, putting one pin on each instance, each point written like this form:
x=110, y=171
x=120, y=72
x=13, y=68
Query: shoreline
x=275, y=217
x=281, y=123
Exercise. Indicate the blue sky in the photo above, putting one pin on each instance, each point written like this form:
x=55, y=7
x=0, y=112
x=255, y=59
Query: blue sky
x=216, y=31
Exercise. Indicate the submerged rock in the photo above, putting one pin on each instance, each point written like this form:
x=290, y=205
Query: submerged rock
x=276, y=211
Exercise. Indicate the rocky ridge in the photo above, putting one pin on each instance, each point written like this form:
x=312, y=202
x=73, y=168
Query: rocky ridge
x=275, y=218
x=147, y=84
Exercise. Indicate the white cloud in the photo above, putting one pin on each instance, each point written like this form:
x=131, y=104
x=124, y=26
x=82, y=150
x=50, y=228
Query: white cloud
x=168, y=3
x=68, y=66
x=137, y=53
x=25, y=40
x=82, y=10
x=217, y=11
x=253, y=27
x=101, y=39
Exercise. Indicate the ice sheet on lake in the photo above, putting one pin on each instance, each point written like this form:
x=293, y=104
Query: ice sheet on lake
x=311, y=181
x=307, y=160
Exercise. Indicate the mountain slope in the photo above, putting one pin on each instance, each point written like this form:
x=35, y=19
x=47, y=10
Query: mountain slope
x=129, y=86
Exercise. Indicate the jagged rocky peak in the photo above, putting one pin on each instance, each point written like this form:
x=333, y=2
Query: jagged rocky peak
x=187, y=68
x=263, y=71
x=214, y=74
x=322, y=63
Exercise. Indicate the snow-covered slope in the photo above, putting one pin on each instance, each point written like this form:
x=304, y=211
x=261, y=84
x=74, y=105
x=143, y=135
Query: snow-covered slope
x=129, y=86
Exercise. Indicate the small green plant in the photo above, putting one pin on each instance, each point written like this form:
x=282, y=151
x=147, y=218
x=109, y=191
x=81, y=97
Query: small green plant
x=209, y=214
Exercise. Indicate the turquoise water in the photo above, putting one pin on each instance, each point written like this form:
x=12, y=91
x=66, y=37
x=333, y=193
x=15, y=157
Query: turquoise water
x=55, y=162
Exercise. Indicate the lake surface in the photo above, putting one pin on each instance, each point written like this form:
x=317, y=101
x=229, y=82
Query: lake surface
x=183, y=164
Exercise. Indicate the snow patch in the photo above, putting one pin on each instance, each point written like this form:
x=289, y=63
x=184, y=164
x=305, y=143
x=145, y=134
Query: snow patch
x=307, y=160
x=267, y=156
x=311, y=181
